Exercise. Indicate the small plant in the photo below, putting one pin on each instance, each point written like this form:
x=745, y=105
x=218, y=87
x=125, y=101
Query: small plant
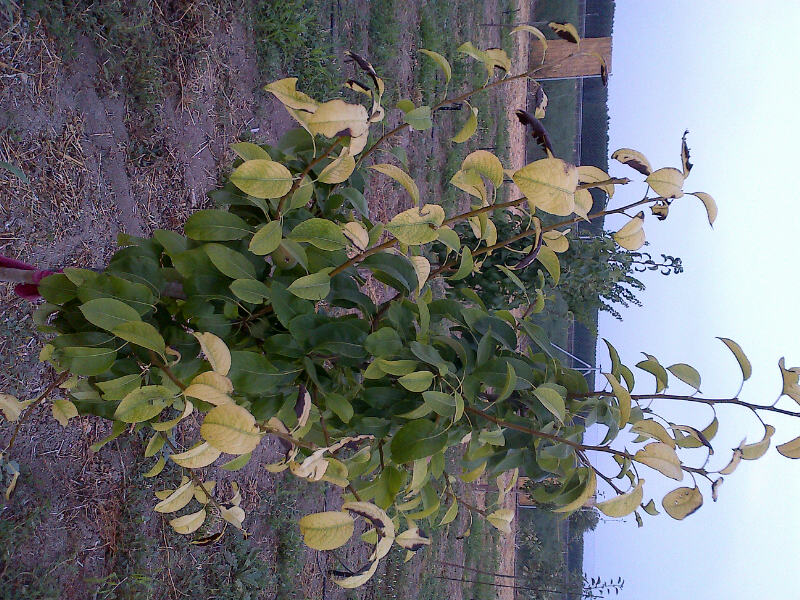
x=255, y=323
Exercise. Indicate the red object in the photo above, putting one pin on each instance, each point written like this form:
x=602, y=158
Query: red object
x=29, y=291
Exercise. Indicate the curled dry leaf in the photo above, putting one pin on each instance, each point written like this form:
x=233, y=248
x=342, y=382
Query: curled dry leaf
x=687, y=166
x=285, y=90
x=790, y=449
x=682, y=502
x=634, y=159
x=757, y=450
x=566, y=31
x=354, y=580
x=540, y=101
x=735, y=460
x=715, y=488
x=709, y=203
x=790, y=378
x=412, y=539
x=337, y=117
x=660, y=209
x=357, y=234
x=538, y=132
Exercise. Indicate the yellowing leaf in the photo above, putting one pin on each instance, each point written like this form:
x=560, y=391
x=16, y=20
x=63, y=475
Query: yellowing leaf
x=412, y=539
x=757, y=450
x=326, y=530
x=485, y=163
x=262, y=178
x=316, y=286
x=533, y=31
x=215, y=351
x=624, y=398
x=417, y=226
x=470, y=181
x=156, y=469
x=556, y=240
x=790, y=378
x=549, y=185
x=662, y=458
x=215, y=380
x=416, y=382
x=653, y=429
x=469, y=128
x=631, y=236
x=501, y=519
x=207, y=393
x=177, y=499
x=189, y=523
x=250, y=151
x=233, y=515
x=200, y=455
x=231, y=428
x=340, y=169
x=682, y=502
x=11, y=407
x=741, y=358
x=267, y=239
x=285, y=90
x=666, y=182
x=634, y=159
x=402, y=178
x=359, y=578
x=736, y=458
x=590, y=174
x=686, y=373
x=357, y=234
x=623, y=505
x=451, y=514
x=590, y=487
x=167, y=425
x=709, y=203
x=441, y=61
x=63, y=411
x=143, y=404
x=583, y=203
x=337, y=117
x=790, y=449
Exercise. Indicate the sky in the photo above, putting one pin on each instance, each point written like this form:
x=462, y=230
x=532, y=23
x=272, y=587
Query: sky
x=727, y=72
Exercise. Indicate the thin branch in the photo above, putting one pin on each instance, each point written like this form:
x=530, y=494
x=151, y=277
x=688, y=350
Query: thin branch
x=306, y=171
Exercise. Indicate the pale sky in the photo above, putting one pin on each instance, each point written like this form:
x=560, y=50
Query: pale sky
x=727, y=72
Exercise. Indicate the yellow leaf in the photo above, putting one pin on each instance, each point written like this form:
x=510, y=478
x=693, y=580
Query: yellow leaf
x=623, y=505
x=485, y=163
x=549, y=185
x=233, y=515
x=231, y=428
x=588, y=492
x=556, y=240
x=189, y=523
x=412, y=539
x=757, y=450
x=215, y=380
x=359, y=578
x=202, y=492
x=709, y=203
x=534, y=31
x=207, y=393
x=215, y=351
x=736, y=458
x=402, y=178
x=497, y=58
x=312, y=468
x=469, y=128
x=631, y=236
x=177, y=499
x=357, y=234
x=790, y=449
x=682, y=502
x=167, y=425
x=423, y=269
x=662, y=458
x=417, y=226
x=340, y=169
x=262, y=178
x=10, y=406
x=590, y=174
x=337, y=117
x=666, y=182
x=624, y=398
x=583, y=203
x=196, y=457
x=326, y=530
x=63, y=411
x=790, y=378
x=285, y=91
x=470, y=181
x=441, y=61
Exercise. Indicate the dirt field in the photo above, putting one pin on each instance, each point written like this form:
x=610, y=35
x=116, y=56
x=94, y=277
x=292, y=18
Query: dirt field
x=99, y=163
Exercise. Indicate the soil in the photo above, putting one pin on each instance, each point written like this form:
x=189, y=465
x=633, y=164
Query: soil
x=96, y=167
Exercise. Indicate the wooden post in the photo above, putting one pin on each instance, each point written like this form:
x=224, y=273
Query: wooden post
x=558, y=66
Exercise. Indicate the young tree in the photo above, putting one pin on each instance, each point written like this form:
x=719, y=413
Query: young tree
x=255, y=322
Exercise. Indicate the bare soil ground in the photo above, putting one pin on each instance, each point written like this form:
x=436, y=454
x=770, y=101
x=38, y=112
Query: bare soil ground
x=79, y=521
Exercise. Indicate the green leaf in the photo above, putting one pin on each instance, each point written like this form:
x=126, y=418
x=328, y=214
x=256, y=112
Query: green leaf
x=250, y=290
x=550, y=261
x=623, y=397
x=326, y=530
x=418, y=381
x=89, y=361
x=108, y=313
x=419, y=118
x=321, y=233
x=405, y=105
x=417, y=439
x=441, y=403
x=510, y=384
x=551, y=400
x=142, y=334
x=262, y=178
x=229, y=262
x=469, y=128
x=340, y=406
x=267, y=239
x=215, y=225
x=312, y=287
x=514, y=279
x=237, y=463
x=465, y=266
x=441, y=61
x=392, y=269
x=356, y=199
x=652, y=366
x=143, y=404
